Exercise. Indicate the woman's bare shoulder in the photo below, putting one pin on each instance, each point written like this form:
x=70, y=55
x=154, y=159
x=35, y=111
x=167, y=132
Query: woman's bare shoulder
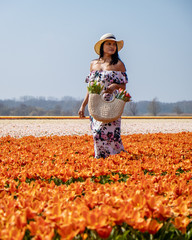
x=120, y=66
x=94, y=64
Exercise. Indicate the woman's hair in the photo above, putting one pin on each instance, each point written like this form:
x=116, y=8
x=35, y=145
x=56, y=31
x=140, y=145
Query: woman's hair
x=114, y=58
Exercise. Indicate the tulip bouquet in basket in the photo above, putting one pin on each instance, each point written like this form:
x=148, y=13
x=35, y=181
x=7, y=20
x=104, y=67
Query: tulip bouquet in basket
x=123, y=95
x=95, y=87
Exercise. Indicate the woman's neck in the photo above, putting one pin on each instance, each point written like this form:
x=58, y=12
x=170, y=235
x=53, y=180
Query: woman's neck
x=106, y=58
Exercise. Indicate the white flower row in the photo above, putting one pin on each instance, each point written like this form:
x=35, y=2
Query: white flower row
x=38, y=128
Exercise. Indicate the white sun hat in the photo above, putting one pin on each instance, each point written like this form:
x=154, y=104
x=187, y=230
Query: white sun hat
x=105, y=37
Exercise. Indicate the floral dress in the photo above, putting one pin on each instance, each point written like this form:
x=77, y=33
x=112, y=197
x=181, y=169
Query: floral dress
x=107, y=136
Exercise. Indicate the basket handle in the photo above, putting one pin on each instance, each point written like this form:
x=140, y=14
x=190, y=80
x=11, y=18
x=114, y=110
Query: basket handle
x=102, y=97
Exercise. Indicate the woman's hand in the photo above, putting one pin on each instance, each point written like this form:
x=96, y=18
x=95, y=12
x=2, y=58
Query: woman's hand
x=111, y=88
x=83, y=105
x=81, y=112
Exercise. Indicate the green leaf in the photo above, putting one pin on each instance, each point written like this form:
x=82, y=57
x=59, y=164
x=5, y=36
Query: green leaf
x=188, y=235
x=56, y=235
x=27, y=235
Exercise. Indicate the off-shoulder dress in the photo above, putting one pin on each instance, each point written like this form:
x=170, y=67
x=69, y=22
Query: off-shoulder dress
x=107, y=136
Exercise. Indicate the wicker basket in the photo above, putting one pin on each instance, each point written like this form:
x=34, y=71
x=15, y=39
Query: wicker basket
x=105, y=111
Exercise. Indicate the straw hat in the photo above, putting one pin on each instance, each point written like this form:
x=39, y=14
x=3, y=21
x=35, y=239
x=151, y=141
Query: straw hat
x=108, y=36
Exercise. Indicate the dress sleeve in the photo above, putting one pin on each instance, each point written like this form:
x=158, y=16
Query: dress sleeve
x=124, y=77
x=119, y=77
x=87, y=79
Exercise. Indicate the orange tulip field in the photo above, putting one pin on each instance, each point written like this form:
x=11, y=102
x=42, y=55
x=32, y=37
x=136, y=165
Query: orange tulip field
x=52, y=187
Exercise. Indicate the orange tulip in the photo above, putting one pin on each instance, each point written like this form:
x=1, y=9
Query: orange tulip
x=154, y=226
x=181, y=223
x=104, y=232
x=20, y=220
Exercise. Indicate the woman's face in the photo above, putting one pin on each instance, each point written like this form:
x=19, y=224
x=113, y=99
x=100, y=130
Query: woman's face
x=109, y=47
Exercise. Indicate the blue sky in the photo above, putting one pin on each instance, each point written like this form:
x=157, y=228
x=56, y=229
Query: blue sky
x=46, y=46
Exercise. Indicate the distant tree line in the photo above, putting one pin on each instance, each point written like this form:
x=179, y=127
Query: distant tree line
x=155, y=108
x=69, y=106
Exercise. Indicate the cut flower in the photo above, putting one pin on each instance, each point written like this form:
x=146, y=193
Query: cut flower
x=95, y=87
x=123, y=95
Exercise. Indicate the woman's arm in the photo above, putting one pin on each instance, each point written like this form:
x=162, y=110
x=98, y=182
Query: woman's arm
x=83, y=105
x=85, y=101
x=114, y=86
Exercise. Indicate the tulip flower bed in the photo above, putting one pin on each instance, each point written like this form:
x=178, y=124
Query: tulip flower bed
x=53, y=188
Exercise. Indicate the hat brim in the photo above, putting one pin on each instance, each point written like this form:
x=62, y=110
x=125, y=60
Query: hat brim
x=98, y=44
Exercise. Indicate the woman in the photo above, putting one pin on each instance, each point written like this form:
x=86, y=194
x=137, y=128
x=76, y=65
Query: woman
x=110, y=71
